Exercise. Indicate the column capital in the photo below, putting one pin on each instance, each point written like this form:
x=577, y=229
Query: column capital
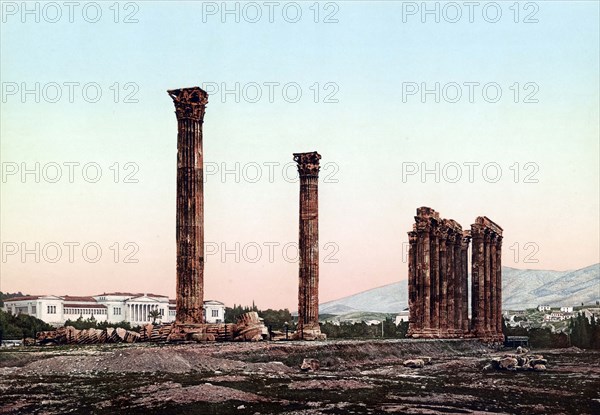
x=308, y=163
x=466, y=239
x=499, y=241
x=422, y=225
x=189, y=102
x=412, y=237
x=487, y=235
x=486, y=222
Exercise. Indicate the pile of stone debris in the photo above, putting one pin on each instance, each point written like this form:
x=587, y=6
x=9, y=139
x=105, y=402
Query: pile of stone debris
x=521, y=360
x=249, y=327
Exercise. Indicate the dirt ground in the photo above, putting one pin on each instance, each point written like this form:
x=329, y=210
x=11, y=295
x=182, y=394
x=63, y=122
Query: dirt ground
x=355, y=377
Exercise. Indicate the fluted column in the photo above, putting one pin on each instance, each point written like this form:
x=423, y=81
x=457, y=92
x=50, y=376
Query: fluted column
x=457, y=320
x=308, y=292
x=498, y=287
x=450, y=317
x=477, y=281
x=464, y=252
x=493, y=285
x=426, y=276
x=443, y=302
x=190, y=105
x=435, y=276
x=413, y=315
x=488, y=284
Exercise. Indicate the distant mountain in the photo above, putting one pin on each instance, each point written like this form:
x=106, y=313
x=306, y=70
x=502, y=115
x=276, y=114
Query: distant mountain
x=521, y=288
x=528, y=288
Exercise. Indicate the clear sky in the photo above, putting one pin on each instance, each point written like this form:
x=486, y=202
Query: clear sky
x=535, y=162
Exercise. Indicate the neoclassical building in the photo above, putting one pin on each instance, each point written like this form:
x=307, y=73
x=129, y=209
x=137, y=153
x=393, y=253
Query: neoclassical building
x=116, y=307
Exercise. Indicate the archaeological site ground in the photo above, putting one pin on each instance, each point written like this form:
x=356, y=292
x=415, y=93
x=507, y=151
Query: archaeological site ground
x=352, y=377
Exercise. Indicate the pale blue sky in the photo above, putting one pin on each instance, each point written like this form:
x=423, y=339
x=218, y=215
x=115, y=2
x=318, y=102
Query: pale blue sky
x=369, y=133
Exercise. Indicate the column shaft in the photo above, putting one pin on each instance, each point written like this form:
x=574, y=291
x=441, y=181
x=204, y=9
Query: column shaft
x=499, y=287
x=493, y=289
x=412, y=282
x=435, y=278
x=488, y=287
x=465, y=280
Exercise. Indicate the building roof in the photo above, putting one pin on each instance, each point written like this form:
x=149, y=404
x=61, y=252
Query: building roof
x=79, y=299
x=31, y=297
x=75, y=305
x=23, y=298
x=124, y=294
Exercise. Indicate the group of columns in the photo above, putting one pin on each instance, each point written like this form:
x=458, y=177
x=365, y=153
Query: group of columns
x=486, y=274
x=190, y=107
x=438, y=278
x=140, y=312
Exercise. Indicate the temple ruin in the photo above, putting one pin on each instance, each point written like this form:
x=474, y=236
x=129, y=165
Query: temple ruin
x=308, y=247
x=438, y=278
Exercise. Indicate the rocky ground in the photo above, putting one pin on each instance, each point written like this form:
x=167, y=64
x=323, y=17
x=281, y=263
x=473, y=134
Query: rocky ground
x=355, y=377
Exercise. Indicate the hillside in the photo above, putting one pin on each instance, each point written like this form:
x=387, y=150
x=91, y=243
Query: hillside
x=521, y=288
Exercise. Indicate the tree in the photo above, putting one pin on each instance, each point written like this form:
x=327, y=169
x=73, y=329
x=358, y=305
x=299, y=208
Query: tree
x=232, y=314
x=154, y=315
x=585, y=333
x=276, y=319
x=20, y=326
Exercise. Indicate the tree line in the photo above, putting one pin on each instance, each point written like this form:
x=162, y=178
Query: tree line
x=583, y=333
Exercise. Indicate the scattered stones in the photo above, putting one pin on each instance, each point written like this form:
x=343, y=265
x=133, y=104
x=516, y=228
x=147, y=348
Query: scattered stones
x=310, y=365
x=203, y=337
x=28, y=341
x=426, y=359
x=330, y=384
x=508, y=363
x=414, y=363
x=518, y=362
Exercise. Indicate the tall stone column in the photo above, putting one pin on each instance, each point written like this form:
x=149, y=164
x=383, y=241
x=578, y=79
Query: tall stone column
x=457, y=320
x=477, y=281
x=443, y=302
x=413, y=314
x=488, y=288
x=424, y=229
x=190, y=105
x=498, y=271
x=308, y=246
x=435, y=276
x=449, y=318
x=464, y=252
x=493, y=285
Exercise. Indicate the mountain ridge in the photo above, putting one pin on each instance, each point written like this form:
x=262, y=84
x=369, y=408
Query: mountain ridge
x=521, y=288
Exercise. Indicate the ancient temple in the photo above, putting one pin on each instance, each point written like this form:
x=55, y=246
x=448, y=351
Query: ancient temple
x=438, y=278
